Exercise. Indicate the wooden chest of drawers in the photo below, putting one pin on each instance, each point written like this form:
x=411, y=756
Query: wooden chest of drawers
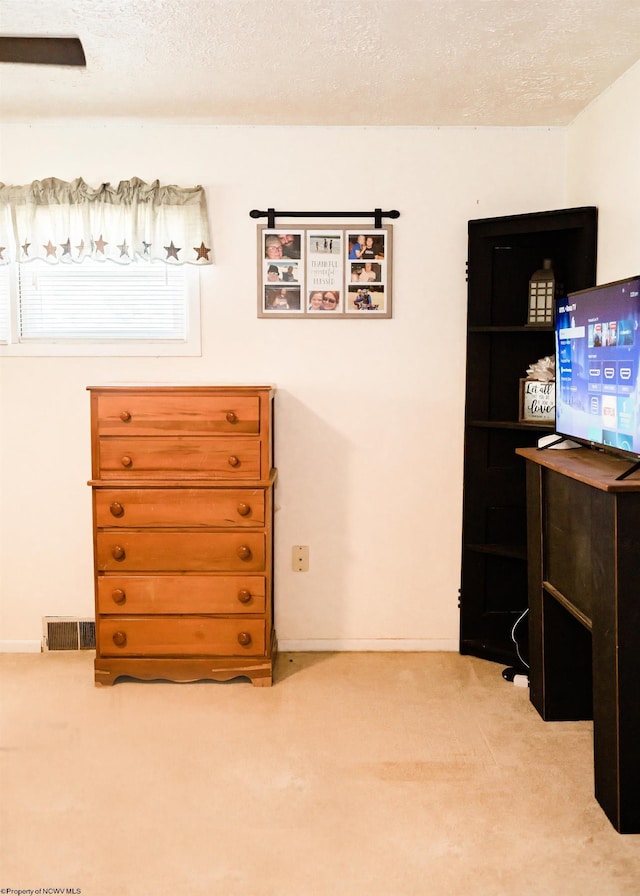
x=182, y=482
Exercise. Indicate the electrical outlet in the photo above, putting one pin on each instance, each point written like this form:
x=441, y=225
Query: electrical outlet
x=300, y=558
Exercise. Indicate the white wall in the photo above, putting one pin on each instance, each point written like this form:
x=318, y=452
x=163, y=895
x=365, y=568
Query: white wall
x=604, y=170
x=369, y=412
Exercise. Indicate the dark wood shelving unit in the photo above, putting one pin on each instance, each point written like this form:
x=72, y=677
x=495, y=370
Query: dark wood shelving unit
x=503, y=253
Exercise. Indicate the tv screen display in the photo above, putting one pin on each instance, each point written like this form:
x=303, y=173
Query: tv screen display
x=597, y=366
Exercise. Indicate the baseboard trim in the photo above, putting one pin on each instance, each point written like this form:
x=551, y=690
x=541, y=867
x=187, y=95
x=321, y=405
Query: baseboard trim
x=20, y=646
x=328, y=645
x=369, y=645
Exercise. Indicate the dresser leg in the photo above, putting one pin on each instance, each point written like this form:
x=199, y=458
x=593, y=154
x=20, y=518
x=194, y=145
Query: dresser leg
x=104, y=678
x=265, y=681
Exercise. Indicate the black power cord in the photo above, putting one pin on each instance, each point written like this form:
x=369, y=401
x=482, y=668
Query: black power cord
x=510, y=672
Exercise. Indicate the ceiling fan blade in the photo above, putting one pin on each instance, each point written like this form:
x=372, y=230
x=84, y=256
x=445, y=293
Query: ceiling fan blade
x=42, y=50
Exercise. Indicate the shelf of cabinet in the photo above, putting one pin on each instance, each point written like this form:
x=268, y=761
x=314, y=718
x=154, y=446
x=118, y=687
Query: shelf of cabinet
x=509, y=329
x=513, y=552
x=511, y=425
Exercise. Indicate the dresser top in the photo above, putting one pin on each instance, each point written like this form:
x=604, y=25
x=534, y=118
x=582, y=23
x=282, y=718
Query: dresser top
x=179, y=387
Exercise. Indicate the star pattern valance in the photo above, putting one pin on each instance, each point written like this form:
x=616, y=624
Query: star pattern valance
x=67, y=222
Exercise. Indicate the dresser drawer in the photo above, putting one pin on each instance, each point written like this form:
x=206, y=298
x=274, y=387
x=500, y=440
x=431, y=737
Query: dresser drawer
x=118, y=550
x=166, y=594
x=211, y=507
x=176, y=413
x=180, y=636
x=207, y=457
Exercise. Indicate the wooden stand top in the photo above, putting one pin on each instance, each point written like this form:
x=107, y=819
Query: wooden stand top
x=594, y=468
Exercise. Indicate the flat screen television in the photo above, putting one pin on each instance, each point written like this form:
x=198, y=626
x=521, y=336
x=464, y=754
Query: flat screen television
x=597, y=335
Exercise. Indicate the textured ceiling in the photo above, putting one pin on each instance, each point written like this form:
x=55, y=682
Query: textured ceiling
x=292, y=62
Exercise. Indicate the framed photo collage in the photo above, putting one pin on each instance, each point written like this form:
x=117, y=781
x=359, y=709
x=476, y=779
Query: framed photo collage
x=326, y=271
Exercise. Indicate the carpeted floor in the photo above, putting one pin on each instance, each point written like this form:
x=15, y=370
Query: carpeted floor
x=367, y=774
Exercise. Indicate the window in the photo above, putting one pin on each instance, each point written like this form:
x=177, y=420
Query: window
x=101, y=270
x=99, y=308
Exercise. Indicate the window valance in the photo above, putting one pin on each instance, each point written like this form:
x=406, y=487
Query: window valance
x=62, y=222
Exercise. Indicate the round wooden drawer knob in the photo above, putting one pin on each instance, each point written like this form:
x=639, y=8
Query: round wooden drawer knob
x=244, y=596
x=244, y=552
x=244, y=509
x=116, y=509
x=117, y=552
x=118, y=596
x=125, y=416
x=234, y=461
x=231, y=417
x=126, y=461
x=244, y=639
x=119, y=639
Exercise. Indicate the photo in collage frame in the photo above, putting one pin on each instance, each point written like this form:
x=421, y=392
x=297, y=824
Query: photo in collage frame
x=323, y=272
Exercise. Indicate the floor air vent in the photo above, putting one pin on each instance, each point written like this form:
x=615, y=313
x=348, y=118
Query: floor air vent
x=68, y=633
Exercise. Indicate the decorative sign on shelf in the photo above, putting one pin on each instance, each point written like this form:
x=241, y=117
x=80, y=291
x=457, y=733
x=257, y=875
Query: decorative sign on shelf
x=537, y=401
x=324, y=271
x=538, y=392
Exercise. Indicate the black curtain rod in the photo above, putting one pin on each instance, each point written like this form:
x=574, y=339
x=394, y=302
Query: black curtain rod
x=271, y=214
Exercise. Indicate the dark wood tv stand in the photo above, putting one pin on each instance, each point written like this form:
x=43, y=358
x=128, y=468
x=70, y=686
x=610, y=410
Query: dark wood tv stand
x=583, y=543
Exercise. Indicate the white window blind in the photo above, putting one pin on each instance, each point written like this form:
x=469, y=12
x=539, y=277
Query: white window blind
x=100, y=300
x=99, y=308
